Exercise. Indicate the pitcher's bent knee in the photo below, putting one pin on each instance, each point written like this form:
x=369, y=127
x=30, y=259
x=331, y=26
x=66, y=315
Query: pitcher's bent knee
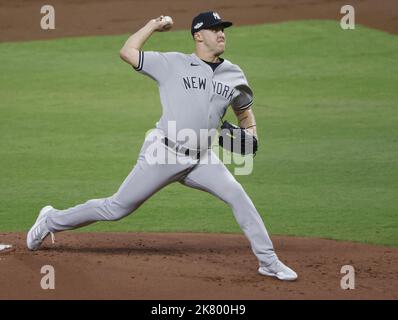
x=233, y=192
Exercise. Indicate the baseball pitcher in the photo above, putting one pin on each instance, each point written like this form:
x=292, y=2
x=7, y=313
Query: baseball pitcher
x=195, y=91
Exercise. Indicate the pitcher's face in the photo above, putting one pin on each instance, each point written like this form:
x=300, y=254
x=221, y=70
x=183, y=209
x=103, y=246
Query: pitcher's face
x=214, y=39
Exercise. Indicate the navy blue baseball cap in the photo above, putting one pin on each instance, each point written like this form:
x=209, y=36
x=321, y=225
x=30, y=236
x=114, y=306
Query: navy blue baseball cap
x=207, y=20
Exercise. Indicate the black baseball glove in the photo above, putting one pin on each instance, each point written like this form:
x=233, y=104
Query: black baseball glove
x=236, y=139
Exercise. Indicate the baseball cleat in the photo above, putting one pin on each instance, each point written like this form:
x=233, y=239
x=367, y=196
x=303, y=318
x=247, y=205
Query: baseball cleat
x=39, y=230
x=279, y=270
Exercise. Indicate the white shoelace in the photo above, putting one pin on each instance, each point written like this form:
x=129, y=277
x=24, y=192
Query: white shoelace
x=52, y=238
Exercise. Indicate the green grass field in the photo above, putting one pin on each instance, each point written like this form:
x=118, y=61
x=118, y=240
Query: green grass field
x=73, y=117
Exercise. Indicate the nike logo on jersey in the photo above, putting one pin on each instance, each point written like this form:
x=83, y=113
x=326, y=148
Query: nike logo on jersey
x=194, y=64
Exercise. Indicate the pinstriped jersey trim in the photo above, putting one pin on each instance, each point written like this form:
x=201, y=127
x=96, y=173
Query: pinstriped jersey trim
x=246, y=106
x=140, y=61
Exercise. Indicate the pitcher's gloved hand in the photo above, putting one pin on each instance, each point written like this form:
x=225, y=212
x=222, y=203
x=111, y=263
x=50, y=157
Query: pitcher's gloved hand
x=236, y=139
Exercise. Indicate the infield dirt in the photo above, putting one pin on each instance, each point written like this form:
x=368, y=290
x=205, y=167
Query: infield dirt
x=191, y=266
x=20, y=19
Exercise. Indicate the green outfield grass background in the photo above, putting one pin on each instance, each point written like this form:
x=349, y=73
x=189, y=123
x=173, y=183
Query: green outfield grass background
x=73, y=118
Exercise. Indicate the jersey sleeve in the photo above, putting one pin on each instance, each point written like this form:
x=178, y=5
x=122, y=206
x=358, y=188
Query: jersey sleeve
x=153, y=64
x=243, y=98
x=243, y=95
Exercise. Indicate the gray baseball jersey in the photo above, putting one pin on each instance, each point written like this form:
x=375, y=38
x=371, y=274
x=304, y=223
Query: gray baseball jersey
x=192, y=94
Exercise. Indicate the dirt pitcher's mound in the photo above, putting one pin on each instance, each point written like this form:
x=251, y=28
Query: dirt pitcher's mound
x=190, y=266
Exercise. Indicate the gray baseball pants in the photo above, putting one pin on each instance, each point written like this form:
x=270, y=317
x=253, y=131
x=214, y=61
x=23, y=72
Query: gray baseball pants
x=146, y=179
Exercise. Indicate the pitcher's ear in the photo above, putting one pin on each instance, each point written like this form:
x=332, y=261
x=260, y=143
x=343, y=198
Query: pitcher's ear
x=197, y=36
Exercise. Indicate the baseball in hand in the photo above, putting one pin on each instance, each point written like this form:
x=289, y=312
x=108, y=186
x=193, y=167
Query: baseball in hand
x=168, y=19
x=168, y=23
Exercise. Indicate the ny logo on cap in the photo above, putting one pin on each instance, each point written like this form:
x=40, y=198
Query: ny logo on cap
x=216, y=16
